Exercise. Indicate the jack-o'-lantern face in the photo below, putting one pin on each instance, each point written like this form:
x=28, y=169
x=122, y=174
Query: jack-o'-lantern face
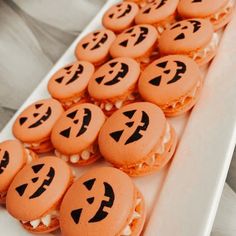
x=106, y=202
x=4, y=160
x=136, y=125
x=120, y=10
x=167, y=74
x=153, y=6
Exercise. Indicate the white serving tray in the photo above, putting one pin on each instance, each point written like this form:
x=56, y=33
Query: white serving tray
x=181, y=200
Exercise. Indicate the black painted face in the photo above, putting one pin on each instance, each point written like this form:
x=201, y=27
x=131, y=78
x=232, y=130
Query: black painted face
x=137, y=134
x=46, y=182
x=38, y=114
x=120, y=11
x=154, y=6
x=5, y=159
x=116, y=72
x=69, y=74
x=76, y=123
x=186, y=29
x=95, y=41
x=135, y=36
x=194, y=1
x=167, y=73
x=101, y=213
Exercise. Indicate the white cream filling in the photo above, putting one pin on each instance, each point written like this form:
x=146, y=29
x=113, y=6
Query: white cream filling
x=29, y=157
x=75, y=158
x=225, y=10
x=210, y=47
x=69, y=103
x=127, y=230
x=45, y=220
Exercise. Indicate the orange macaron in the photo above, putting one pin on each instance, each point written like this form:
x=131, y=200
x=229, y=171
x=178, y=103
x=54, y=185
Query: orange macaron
x=114, y=84
x=137, y=42
x=120, y=16
x=103, y=201
x=68, y=85
x=34, y=125
x=173, y=83
x=194, y=38
x=219, y=12
x=74, y=135
x=95, y=46
x=140, y=3
x=36, y=192
x=137, y=139
x=159, y=13
x=13, y=157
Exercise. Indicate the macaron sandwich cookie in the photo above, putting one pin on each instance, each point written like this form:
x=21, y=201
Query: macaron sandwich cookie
x=95, y=46
x=34, y=125
x=13, y=157
x=104, y=201
x=173, y=83
x=120, y=16
x=114, y=84
x=68, y=85
x=159, y=13
x=74, y=136
x=219, y=12
x=137, y=139
x=36, y=192
x=194, y=38
x=137, y=42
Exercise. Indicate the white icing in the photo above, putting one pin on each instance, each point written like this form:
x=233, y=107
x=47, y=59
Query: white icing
x=151, y=161
x=160, y=29
x=118, y=104
x=35, y=223
x=29, y=157
x=46, y=220
x=166, y=139
x=226, y=10
x=85, y=155
x=74, y=158
x=108, y=106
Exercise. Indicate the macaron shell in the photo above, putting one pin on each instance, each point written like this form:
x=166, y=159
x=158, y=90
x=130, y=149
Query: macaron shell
x=168, y=78
x=95, y=46
x=77, y=128
x=156, y=11
x=70, y=80
x=120, y=16
x=134, y=42
x=26, y=199
x=204, y=8
x=94, y=184
x=186, y=36
x=13, y=161
x=131, y=133
x=114, y=78
x=36, y=121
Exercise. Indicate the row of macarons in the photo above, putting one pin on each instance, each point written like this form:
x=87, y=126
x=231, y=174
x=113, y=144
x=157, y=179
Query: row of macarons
x=45, y=195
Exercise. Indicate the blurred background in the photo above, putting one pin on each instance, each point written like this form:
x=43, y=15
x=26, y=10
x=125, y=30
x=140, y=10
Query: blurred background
x=33, y=35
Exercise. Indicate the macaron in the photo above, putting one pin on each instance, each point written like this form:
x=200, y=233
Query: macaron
x=159, y=13
x=68, y=85
x=34, y=125
x=137, y=42
x=103, y=201
x=36, y=192
x=95, y=46
x=114, y=84
x=218, y=12
x=120, y=16
x=194, y=38
x=13, y=157
x=74, y=135
x=173, y=83
x=137, y=139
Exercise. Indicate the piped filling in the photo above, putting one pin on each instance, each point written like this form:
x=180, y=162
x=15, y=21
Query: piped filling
x=108, y=106
x=73, y=101
x=222, y=12
x=29, y=156
x=36, y=145
x=85, y=155
x=45, y=220
x=212, y=46
x=182, y=101
x=136, y=215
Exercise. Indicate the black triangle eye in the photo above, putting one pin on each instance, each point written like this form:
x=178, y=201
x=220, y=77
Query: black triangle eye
x=21, y=189
x=176, y=26
x=67, y=68
x=66, y=133
x=90, y=200
x=111, y=15
x=96, y=33
x=85, y=45
x=99, y=79
x=162, y=64
x=129, y=114
x=23, y=120
x=180, y=36
x=113, y=64
x=37, y=168
x=117, y=135
x=76, y=215
x=89, y=183
x=59, y=80
x=37, y=106
x=129, y=31
x=124, y=43
x=147, y=11
x=72, y=114
x=35, y=114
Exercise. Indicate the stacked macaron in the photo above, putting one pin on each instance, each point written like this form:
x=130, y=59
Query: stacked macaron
x=111, y=103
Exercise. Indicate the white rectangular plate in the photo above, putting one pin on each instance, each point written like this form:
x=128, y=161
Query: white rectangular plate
x=182, y=200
